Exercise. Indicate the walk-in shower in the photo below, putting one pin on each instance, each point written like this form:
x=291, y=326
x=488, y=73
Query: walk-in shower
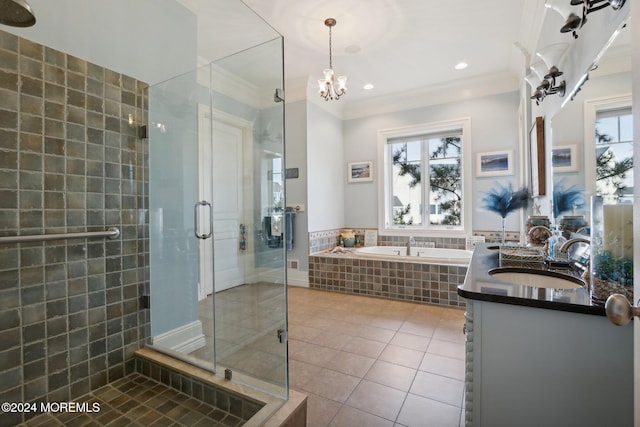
x=131, y=213
x=216, y=159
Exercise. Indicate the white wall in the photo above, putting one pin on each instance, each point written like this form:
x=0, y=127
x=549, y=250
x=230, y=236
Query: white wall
x=326, y=170
x=150, y=40
x=494, y=126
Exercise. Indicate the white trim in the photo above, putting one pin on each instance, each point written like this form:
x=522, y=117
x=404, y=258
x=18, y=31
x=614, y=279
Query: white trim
x=223, y=81
x=384, y=172
x=274, y=275
x=183, y=339
x=297, y=278
x=591, y=107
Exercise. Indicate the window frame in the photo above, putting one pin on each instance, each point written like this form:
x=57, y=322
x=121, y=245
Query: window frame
x=385, y=168
x=590, y=110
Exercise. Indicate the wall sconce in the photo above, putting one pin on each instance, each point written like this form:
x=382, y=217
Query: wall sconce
x=552, y=55
x=594, y=5
x=573, y=21
x=533, y=81
x=547, y=80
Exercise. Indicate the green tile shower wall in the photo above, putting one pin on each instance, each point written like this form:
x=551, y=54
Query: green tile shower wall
x=69, y=161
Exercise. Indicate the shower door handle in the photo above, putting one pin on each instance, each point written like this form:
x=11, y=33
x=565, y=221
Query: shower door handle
x=196, y=219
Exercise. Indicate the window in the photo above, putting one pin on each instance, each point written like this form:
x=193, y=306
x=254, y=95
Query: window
x=424, y=180
x=614, y=155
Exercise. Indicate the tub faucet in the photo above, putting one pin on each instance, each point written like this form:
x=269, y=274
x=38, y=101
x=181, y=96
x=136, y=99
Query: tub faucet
x=566, y=245
x=409, y=246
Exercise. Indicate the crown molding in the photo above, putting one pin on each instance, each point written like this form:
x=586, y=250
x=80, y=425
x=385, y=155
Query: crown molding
x=433, y=95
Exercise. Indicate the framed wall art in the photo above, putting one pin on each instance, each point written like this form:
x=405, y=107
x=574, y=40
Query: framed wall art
x=494, y=163
x=563, y=158
x=360, y=171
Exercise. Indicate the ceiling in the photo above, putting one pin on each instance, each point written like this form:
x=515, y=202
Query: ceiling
x=399, y=46
x=407, y=49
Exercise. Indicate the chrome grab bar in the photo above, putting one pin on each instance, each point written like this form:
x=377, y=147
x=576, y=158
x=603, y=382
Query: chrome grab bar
x=196, y=219
x=111, y=233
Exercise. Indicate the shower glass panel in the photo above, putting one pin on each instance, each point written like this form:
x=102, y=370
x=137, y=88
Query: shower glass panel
x=248, y=192
x=218, y=227
x=178, y=214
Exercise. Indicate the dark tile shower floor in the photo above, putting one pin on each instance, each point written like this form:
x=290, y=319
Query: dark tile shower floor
x=136, y=400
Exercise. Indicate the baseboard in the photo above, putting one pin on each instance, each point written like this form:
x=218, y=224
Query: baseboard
x=294, y=277
x=184, y=339
x=297, y=278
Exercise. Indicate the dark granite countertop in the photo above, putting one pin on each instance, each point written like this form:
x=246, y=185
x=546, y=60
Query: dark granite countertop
x=480, y=285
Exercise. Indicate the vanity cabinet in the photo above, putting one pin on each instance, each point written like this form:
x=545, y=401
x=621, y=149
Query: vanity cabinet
x=541, y=357
x=529, y=366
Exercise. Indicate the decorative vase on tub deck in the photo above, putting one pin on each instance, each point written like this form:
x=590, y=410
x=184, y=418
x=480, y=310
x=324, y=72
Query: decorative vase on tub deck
x=348, y=238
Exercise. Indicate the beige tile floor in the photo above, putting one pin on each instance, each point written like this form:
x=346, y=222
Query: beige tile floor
x=372, y=362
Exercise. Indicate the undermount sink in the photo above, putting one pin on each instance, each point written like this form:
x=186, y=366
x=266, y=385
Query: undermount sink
x=536, y=278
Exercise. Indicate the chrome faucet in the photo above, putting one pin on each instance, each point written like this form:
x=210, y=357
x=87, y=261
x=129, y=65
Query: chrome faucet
x=409, y=246
x=566, y=245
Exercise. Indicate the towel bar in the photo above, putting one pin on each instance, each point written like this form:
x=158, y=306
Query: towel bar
x=111, y=233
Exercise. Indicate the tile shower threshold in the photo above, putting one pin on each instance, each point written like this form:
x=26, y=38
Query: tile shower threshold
x=274, y=411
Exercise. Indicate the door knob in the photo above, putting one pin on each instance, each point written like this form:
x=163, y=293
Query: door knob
x=619, y=311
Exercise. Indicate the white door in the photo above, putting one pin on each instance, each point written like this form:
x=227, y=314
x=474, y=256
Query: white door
x=224, y=169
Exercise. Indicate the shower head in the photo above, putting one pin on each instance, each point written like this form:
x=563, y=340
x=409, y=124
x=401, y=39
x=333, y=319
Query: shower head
x=16, y=13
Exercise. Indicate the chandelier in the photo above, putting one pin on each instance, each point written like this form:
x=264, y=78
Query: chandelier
x=327, y=85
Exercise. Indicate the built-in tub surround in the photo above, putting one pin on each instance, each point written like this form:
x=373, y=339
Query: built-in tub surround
x=407, y=278
x=69, y=162
x=423, y=281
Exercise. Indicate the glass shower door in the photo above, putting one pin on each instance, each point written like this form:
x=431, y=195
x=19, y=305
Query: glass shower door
x=180, y=221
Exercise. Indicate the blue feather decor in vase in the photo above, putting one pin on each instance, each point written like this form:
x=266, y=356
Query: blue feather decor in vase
x=503, y=201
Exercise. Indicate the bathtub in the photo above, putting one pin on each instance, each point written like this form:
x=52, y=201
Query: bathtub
x=424, y=255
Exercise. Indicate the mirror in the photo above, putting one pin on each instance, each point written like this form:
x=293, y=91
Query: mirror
x=591, y=138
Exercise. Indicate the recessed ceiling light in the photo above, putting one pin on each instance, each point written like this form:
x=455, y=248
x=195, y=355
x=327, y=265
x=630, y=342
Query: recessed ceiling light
x=461, y=66
x=368, y=86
